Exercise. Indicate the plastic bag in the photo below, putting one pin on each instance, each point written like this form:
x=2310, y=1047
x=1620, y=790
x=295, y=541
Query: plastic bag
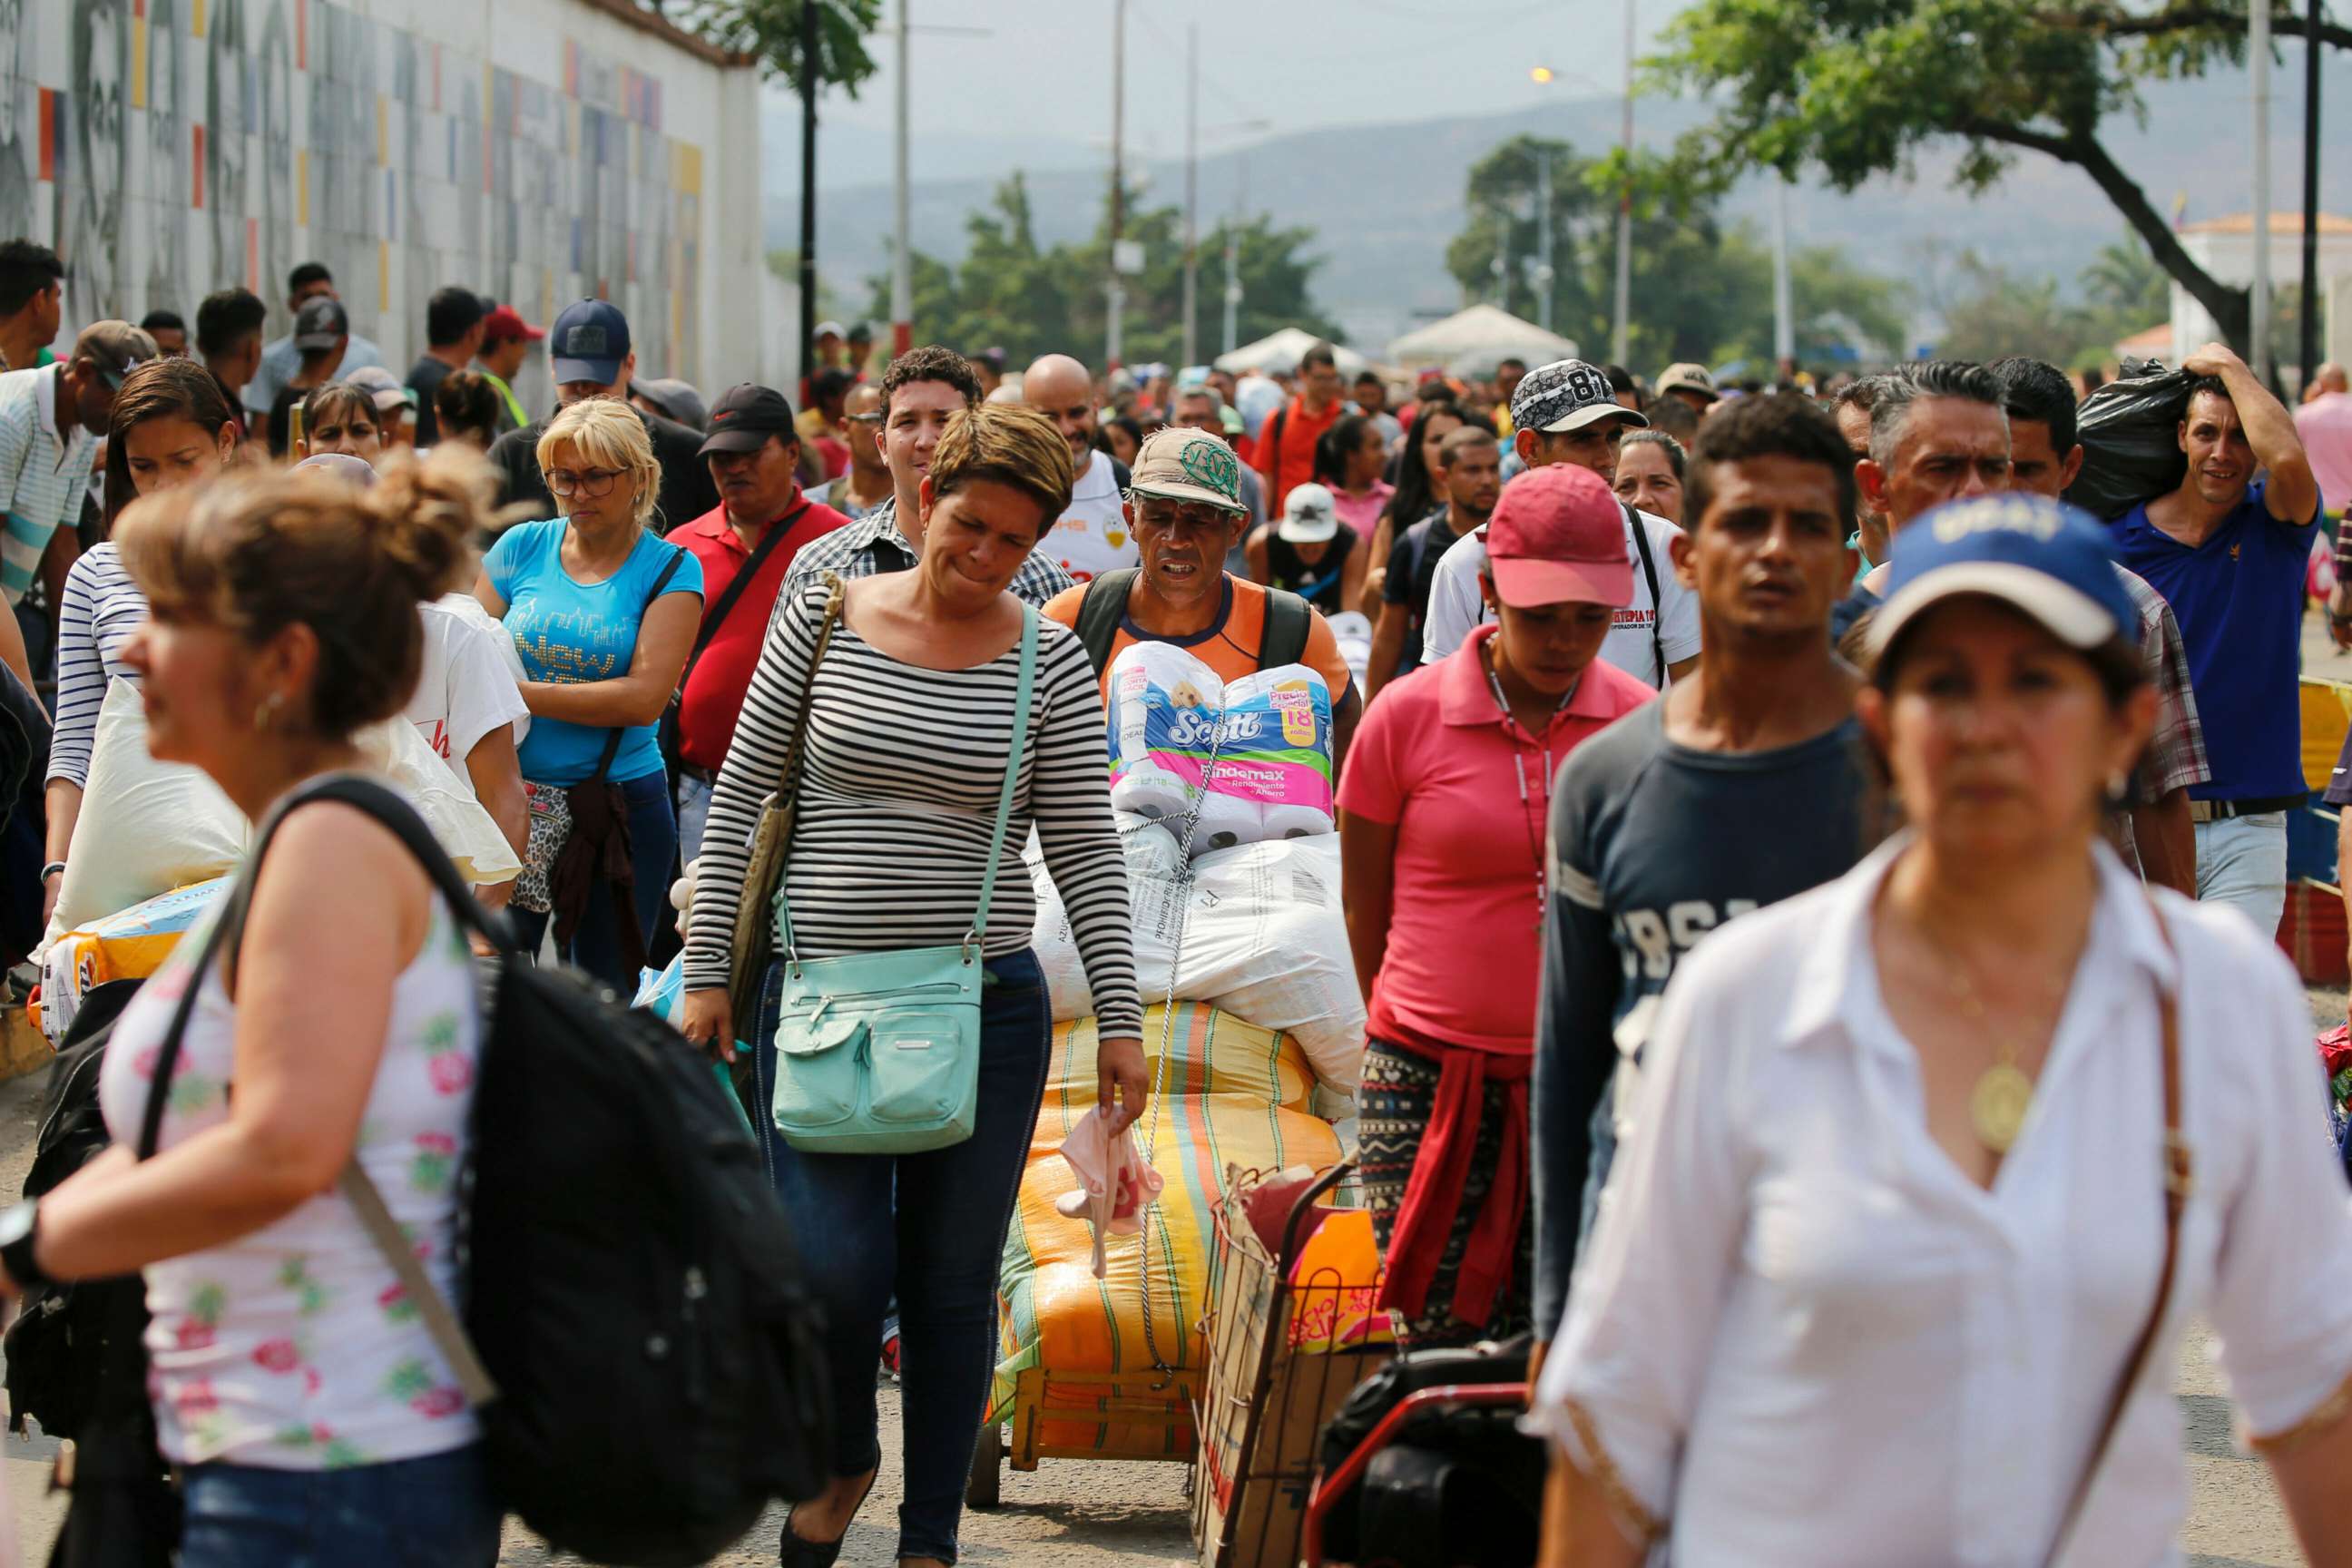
x=145, y=827
x=1115, y=1184
x=468, y=835
x=2130, y=432
x=1265, y=939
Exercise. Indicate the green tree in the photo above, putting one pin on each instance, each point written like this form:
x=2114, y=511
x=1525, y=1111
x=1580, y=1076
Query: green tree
x=1700, y=290
x=1031, y=300
x=768, y=31
x=1990, y=311
x=2124, y=278
x=1856, y=87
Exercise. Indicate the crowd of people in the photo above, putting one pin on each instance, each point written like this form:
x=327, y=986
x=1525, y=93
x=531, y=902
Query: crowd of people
x=1813, y=889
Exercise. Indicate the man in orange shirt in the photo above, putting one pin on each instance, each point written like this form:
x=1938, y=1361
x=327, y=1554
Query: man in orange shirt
x=1185, y=509
x=1285, y=444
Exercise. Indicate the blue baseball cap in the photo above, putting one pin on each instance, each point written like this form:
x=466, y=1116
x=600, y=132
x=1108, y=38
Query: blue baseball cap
x=2048, y=561
x=588, y=342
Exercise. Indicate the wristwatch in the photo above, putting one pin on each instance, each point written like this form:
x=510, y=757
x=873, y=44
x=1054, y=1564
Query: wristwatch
x=18, y=1228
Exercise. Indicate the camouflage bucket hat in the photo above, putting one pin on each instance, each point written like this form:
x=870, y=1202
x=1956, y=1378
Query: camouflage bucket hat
x=1185, y=465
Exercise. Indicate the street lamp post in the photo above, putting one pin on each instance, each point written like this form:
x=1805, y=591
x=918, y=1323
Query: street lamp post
x=2258, y=56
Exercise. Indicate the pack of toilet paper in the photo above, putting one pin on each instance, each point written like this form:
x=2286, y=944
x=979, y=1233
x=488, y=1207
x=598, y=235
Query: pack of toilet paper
x=1252, y=757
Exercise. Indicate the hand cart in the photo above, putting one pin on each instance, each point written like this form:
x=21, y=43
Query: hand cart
x=1279, y=1366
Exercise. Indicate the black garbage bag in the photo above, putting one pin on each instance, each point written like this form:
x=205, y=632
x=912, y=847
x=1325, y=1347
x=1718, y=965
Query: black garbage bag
x=2130, y=432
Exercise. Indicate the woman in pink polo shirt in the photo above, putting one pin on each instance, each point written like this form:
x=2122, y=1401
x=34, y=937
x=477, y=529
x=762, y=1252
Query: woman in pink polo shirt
x=1442, y=809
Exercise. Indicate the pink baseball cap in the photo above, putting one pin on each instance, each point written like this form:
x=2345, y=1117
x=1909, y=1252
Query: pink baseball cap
x=1557, y=534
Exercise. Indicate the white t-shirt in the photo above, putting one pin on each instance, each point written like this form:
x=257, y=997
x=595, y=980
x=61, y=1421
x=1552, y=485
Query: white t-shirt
x=465, y=688
x=1455, y=606
x=1092, y=537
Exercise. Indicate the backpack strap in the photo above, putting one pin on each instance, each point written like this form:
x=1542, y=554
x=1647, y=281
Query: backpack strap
x=2180, y=1179
x=613, y=736
x=1657, y=603
x=1100, y=610
x=448, y=1336
x=1289, y=621
x=1270, y=448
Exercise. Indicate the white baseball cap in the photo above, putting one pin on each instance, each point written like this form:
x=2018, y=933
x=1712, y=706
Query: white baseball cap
x=1310, y=516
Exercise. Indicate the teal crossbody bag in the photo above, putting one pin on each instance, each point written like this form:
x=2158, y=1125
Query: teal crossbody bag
x=879, y=1053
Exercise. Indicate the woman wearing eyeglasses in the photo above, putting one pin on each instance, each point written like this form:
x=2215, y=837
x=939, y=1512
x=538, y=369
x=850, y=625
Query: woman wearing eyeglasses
x=604, y=614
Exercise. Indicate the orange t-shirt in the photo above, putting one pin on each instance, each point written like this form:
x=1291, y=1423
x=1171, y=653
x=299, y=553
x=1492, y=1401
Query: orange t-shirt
x=1230, y=646
x=1288, y=461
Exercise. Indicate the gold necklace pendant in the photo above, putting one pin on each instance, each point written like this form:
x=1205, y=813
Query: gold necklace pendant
x=1999, y=1104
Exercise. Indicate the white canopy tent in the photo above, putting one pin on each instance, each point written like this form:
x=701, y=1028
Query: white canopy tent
x=1473, y=340
x=1279, y=354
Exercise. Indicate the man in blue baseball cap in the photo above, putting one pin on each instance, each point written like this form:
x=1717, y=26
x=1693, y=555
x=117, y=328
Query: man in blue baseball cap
x=590, y=354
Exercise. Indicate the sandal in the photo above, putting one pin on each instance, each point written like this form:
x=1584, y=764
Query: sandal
x=792, y=1552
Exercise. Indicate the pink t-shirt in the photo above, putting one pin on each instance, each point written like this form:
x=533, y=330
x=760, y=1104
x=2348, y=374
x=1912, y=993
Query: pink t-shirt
x=2325, y=424
x=1436, y=758
x=1362, y=512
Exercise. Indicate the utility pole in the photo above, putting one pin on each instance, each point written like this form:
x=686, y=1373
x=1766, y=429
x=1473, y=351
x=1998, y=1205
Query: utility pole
x=1116, y=291
x=1191, y=193
x=1618, y=352
x=2258, y=54
x=808, y=188
x=902, y=261
x=1543, y=240
x=2308, y=338
x=1784, y=317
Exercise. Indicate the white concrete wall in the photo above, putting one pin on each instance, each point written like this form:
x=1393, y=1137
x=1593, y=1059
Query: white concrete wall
x=538, y=150
x=2230, y=258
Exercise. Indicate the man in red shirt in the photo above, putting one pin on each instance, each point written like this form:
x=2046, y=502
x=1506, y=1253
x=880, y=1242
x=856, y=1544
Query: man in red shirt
x=746, y=546
x=1285, y=445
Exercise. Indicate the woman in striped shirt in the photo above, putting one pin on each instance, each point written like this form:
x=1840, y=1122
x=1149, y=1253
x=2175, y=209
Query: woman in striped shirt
x=172, y=427
x=910, y=727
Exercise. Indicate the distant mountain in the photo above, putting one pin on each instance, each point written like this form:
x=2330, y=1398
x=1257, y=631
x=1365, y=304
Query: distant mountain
x=1385, y=201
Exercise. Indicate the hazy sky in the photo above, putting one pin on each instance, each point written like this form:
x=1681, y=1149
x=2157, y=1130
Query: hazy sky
x=1044, y=67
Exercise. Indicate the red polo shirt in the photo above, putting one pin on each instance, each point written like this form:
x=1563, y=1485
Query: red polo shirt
x=715, y=682
x=1287, y=458
x=1436, y=758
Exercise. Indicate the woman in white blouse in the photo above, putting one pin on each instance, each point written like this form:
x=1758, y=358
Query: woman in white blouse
x=1891, y=1224
x=172, y=425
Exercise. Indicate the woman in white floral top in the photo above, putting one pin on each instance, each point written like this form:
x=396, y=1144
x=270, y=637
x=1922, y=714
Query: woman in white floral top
x=314, y=1420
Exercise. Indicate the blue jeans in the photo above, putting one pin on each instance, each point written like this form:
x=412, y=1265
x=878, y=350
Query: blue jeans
x=653, y=848
x=931, y=1226
x=433, y=1512
x=693, y=815
x=2242, y=862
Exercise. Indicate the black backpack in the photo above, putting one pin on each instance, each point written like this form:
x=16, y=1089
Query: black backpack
x=1288, y=620
x=631, y=1280
x=57, y=1346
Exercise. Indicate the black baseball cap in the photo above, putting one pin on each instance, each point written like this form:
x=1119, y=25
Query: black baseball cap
x=743, y=419
x=321, y=323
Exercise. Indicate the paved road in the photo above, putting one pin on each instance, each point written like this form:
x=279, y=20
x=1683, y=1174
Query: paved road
x=1112, y=1515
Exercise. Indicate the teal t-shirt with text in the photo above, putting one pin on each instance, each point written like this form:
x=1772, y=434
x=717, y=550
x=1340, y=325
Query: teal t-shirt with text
x=572, y=633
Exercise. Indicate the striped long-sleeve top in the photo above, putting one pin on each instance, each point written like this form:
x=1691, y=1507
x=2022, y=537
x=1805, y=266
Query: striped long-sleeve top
x=98, y=611
x=898, y=794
